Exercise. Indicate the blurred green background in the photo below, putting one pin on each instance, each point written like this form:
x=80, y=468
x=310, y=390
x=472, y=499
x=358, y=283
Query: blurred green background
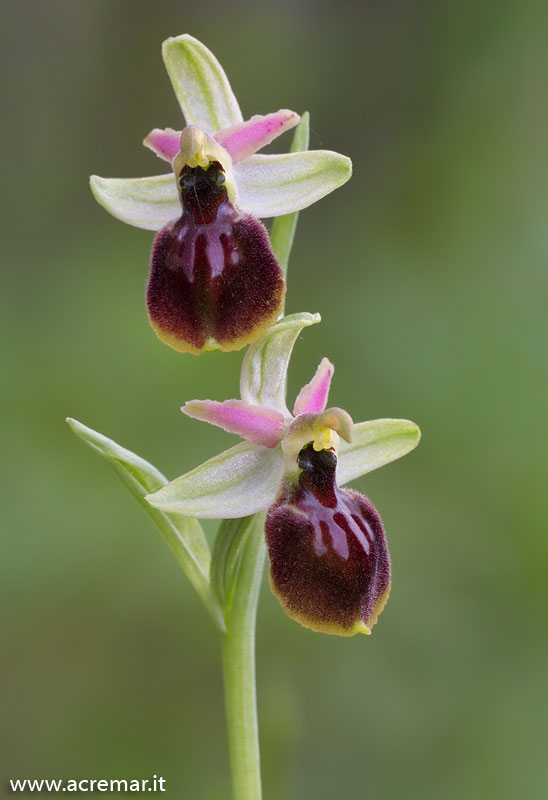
x=430, y=271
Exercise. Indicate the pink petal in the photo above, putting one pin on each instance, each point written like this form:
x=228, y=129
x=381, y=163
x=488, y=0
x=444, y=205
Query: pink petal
x=312, y=398
x=258, y=424
x=165, y=143
x=245, y=138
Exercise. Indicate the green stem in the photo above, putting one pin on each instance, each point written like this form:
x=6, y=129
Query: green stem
x=241, y=606
x=239, y=668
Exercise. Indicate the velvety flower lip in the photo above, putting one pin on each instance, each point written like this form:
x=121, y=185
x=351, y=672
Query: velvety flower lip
x=214, y=281
x=329, y=561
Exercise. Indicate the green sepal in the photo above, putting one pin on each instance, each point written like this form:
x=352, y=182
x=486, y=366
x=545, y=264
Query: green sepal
x=263, y=379
x=184, y=535
x=375, y=443
x=200, y=84
x=148, y=203
x=236, y=483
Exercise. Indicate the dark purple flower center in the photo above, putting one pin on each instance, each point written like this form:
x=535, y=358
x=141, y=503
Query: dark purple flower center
x=333, y=514
x=202, y=192
x=318, y=474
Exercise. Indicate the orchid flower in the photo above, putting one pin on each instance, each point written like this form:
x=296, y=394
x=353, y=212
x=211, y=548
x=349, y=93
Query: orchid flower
x=215, y=281
x=329, y=563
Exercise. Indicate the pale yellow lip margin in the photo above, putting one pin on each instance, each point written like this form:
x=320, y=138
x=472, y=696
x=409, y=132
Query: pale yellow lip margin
x=183, y=346
x=333, y=629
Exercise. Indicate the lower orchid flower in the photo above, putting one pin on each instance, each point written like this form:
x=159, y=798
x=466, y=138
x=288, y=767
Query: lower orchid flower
x=214, y=280
x=329, y=562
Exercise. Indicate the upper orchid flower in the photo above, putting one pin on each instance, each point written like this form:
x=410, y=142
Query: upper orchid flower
x=214, y=281
x=329, y=560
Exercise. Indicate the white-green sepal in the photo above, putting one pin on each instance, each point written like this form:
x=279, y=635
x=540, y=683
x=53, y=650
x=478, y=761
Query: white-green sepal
x=271, y=185
x=148, y=203
x=200, y=84
x=184, y=536
x=375, y=443
x=236, y=483
x=263, y=379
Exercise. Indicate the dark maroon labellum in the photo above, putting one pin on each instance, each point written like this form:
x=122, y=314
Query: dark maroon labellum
x=329, y=561
x=214, y=280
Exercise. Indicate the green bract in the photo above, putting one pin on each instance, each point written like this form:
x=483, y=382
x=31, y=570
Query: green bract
x=184, y=536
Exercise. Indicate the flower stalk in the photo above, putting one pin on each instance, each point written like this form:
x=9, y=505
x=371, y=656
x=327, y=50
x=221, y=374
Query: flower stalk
x=242, y=600
x=239, y=667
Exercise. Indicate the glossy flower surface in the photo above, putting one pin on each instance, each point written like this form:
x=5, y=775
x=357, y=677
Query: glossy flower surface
x=214, y=280
x=329, y=561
